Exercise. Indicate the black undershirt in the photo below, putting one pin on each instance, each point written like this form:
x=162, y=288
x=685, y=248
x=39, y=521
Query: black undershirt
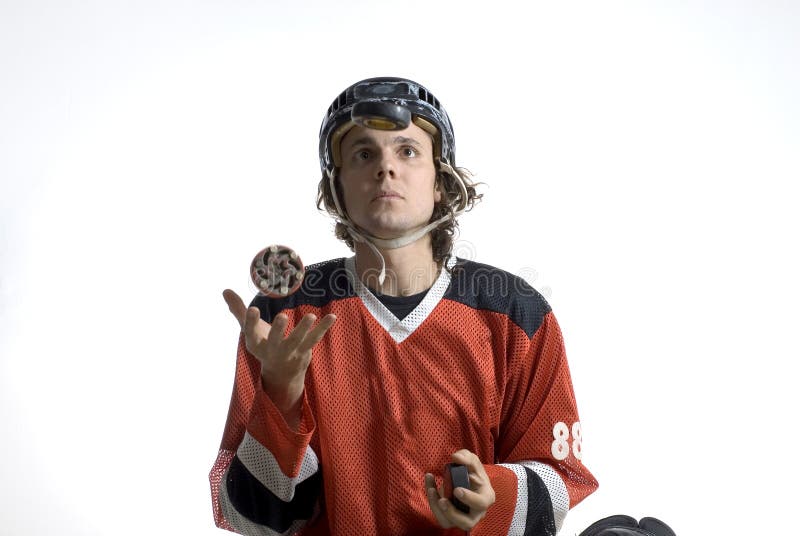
x=400, y=306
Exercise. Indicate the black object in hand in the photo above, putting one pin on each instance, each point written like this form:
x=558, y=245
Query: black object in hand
x=456, y=476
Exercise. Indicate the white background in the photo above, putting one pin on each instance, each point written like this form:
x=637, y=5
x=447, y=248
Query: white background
x=641, y=161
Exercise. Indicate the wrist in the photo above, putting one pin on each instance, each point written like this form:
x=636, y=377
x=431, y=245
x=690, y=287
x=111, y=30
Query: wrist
x=287, y=397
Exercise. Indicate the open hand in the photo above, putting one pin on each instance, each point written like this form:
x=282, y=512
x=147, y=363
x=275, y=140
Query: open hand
x=284, y=360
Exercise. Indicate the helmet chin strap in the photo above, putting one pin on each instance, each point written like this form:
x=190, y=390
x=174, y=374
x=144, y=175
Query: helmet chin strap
x=374, y=242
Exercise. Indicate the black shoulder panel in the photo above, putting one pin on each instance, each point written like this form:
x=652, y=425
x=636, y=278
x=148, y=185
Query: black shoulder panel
x=323, y=283
x=485, y=287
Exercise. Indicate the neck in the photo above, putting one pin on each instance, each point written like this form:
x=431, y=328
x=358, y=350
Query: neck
x=409, y=269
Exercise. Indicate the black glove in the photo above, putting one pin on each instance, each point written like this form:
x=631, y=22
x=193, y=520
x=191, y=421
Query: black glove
x=620, y=525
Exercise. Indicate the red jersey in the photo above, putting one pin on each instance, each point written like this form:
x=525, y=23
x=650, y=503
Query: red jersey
x=479, y=364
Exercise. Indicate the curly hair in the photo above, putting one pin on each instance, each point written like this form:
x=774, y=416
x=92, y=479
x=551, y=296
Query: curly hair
x=442, y=236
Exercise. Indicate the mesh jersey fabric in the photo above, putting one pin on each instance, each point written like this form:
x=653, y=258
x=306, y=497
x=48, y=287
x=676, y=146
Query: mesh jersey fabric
x=479, y=364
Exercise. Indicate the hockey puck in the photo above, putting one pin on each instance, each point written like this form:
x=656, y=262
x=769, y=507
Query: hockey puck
x=456, y=476
x=277, y=271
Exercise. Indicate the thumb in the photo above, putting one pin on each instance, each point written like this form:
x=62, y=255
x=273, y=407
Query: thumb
x=235, y=305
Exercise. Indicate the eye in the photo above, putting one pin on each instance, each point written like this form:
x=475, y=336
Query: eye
x=363, y=154
x=408, y=151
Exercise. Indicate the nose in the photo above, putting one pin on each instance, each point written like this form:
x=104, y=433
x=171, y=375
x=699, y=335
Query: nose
x=386, y=166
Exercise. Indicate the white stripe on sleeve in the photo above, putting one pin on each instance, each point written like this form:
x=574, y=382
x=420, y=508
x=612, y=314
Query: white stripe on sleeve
x=263, y=465
x=517, y=526
x=559, y=497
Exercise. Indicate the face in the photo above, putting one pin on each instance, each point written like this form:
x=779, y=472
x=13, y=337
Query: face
x=388, y=179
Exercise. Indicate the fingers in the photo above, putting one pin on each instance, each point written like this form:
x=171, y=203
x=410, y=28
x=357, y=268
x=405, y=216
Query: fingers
x=251, y=317
x=235, y=306
x=275, y=337
x=301, y=339
x=443, y=510
x=479, y=481
x=478, y=505
x=478, y=499
x=316, y=334
x=299, y=332
x=457, y=518
x=473, y=463
x=434, y=496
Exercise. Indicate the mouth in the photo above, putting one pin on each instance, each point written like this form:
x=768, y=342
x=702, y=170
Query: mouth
x=387, y=195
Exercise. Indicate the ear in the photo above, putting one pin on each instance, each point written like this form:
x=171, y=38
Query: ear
x=437, y=187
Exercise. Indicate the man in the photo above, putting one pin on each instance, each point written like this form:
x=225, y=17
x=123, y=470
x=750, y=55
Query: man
x=353, y=393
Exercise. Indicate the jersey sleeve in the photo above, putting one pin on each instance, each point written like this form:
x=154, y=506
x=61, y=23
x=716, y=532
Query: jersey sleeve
x=539, y=475
x=266, y=479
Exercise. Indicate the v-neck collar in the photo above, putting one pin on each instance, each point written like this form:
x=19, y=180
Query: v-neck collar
x=399, y=330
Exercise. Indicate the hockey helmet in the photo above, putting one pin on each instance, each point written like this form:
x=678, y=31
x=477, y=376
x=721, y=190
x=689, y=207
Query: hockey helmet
x=384, y=103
